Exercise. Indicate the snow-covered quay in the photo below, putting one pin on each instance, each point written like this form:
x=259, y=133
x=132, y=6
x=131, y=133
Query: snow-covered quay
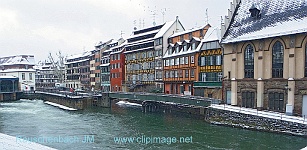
x=11, y=143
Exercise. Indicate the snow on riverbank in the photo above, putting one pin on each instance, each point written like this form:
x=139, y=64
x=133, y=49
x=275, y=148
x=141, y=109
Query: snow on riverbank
x=11, y=143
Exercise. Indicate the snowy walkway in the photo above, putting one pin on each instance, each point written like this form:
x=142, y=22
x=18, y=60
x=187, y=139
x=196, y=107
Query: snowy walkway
x=266, y=114
x=11, y=143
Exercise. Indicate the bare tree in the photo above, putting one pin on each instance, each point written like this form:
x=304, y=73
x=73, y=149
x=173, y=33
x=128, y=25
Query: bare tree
x=58, y=65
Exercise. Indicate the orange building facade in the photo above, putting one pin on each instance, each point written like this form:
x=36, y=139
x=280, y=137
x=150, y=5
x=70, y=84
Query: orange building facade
x=117, y=68
x=181, y=63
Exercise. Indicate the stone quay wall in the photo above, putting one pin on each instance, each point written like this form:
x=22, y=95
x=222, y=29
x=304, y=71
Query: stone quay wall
x=253, y=122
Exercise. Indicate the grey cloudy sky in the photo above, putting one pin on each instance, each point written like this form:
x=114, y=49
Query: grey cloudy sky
x=40, y=26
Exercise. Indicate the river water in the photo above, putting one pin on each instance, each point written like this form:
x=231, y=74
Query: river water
x=105, y=128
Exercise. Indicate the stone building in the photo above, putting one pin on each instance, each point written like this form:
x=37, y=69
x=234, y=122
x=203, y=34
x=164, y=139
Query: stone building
x=265, y=64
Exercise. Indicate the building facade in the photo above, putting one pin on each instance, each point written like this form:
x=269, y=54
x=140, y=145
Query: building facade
x=78, y=71
x=180, y=61
x=20, y=66
x=209, y=82
x=45, y=76
x=144, y=50
x=105, y=64
x=117, y=66
x=265, y=58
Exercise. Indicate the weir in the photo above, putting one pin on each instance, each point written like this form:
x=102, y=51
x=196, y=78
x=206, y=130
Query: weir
x=150, y=102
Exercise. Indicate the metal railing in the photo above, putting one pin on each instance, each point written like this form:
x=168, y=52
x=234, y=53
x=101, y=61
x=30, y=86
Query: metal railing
x=178, y=99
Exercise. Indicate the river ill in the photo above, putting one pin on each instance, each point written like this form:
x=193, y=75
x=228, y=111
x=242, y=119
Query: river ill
x=104, y=127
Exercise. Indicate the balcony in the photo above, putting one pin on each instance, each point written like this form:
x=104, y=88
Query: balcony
x=208, y=84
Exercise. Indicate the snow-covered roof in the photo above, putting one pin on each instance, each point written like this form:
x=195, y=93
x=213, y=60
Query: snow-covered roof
x=277, y=18
x=87, y=53
x=8, y=77
x=17, y=70
x=164, y=29
x=212, y=34
x=181, y=52
x=18, y=59
x=145, y=33
x=187, y=31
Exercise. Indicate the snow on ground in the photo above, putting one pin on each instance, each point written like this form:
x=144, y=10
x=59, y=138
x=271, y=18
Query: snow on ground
x=11, y=143
x=266, y=114
x=58, y=105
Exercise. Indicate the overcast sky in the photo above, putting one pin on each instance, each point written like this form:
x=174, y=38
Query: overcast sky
x=37, y=27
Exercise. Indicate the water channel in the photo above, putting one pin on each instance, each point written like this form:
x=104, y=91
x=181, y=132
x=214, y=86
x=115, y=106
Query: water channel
x=105, y=128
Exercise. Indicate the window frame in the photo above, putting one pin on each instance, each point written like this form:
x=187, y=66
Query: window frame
x=277, y=62
x=249, y=63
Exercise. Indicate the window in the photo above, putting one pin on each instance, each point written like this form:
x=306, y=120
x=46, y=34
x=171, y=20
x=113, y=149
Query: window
x=166, y=74
x=169, y=51
x=276, y=101
x=181, y=60
x=248, y=99
x=186, y=73
x=172, y=74
x=277, y=60
x=176, y=73
x=186, y=60
x=177, y=49
x=192, y=59
x=306, y=60
x=167, y=62
x=218, y=60
x=202, y=77
x=180, y=73
x=193, y=46
x=249, y=62
x=30, y=76
x=184, y=47
x=23, y=76
x=192, y=73
x=172, y=62
x=203, y=61
x=177, y=61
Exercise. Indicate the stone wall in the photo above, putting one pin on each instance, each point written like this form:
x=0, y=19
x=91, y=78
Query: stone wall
x=247, y=85
x=300, y=91
x=235, y=119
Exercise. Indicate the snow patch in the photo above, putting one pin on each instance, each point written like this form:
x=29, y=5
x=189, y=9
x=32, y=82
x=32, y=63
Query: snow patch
x=58, y=105
x=125, y=103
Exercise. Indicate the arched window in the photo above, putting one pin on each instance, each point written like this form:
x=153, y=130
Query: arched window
x=277, y=60
x=249, y=61
x=306, y=60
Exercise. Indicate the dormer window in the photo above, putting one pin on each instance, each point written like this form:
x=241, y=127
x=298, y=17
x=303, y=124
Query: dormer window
x=193, y=46
x=177, y=49
x=184, y=47
x=255, y=12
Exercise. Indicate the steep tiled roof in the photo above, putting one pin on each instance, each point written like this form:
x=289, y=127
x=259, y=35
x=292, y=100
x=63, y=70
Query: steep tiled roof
x=278, y=17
